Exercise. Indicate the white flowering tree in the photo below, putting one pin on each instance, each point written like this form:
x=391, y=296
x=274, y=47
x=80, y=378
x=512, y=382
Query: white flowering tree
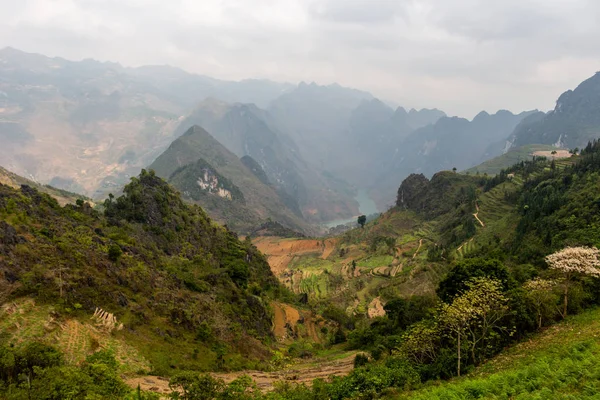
x=573, y=261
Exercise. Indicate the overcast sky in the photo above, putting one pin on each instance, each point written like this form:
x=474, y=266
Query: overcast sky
x=458, y=55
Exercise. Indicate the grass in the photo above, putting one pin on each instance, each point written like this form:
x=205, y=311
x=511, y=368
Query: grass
x=495, y=165
x=375, y=261
x=315, y=284
x=23, y=321
x=563, y=362
x=310, y=262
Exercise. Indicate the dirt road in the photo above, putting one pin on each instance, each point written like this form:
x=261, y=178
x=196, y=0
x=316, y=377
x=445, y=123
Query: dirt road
x=300, y=373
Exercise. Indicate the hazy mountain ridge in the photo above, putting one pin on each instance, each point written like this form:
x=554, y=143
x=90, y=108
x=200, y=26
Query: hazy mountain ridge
x=247, y=130
x=238, y=197
x=574, y=121
x=451, y=142
x=79, y=123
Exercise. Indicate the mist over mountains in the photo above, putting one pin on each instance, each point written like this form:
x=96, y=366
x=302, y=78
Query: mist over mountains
x=88, y=126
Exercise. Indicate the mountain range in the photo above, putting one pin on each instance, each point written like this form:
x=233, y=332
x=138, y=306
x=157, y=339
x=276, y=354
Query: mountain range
x=152, y=289
x=89, y=126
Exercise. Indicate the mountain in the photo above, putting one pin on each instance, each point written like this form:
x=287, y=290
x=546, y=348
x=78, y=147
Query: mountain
x=153, y=279
x=451, y=142
x=345, y=132
x=208, y=174
x=249, y=131
x=82, y=126
x=326, y=120
x=315, y=117
x=574, y=121
x=453, y=242
x=62, y=196
x=88, y=126
x=187, y=89
x=416, y=119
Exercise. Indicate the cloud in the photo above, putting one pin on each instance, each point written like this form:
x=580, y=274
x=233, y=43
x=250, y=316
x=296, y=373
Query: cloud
x=460, y=55
x=362, y=12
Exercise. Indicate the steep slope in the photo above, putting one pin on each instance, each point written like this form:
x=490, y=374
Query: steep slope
x=490, y=233
x=185, y=292
x=449, y=143
x=574, y=121
x=561, y=362
x=15, y=181
x=207, y=173
x=332, y=125
x=315, y=117
x=373, y=132
x=88, y=126
x=436, y=221
x=247, y=130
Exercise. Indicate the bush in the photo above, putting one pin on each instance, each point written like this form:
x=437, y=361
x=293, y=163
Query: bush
x=360, y=360
x=114, y=252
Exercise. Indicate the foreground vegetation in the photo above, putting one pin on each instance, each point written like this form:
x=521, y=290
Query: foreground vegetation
x=561, y=362
x=191, y=297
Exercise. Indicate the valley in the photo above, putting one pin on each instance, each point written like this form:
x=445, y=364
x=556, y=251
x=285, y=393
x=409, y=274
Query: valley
x=169, y=235
x=366, y=206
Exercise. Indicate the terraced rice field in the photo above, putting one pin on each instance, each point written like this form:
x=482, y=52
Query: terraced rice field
x=25, y=321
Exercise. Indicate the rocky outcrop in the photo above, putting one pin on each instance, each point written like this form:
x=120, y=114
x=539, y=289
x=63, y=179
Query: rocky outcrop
x=412, y=191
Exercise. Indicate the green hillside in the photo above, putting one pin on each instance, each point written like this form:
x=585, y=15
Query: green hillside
x=62, y=196
x=208, y=174
x=561, y=362
x=184, y=292
x=511, y=157
x=478, y=246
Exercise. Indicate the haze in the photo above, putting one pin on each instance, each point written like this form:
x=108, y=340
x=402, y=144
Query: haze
x=460, y=56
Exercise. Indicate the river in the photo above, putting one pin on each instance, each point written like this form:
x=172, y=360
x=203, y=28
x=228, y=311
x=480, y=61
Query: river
x=366, y=206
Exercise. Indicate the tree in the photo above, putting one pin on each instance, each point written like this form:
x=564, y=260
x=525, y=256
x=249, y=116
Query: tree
x=420, y=343
x=541, y=297
x=490, y=306
x=455, y=317
x=193, y=386
x=475, y=315
x=571, y=262
x=464, y=271
x=454, y=169
x=362, y=220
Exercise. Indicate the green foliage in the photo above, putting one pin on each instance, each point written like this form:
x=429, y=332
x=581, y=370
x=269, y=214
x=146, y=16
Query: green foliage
x=175, y=267
x=405, y=312
x=465, y=270
x=367, y=382
x=562, y=362
x=360, y=360
x=192, y=386
x=362, y=219
x=114, y=252
x=37, y=371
